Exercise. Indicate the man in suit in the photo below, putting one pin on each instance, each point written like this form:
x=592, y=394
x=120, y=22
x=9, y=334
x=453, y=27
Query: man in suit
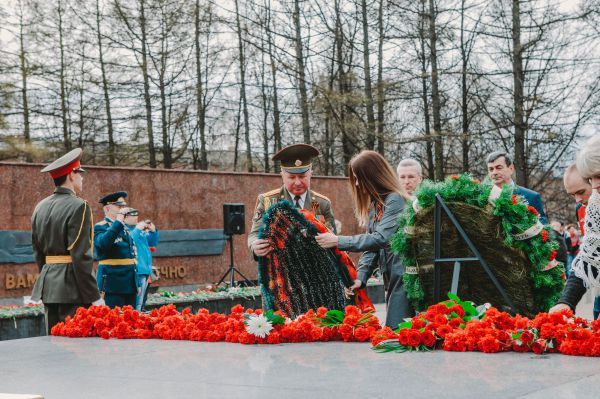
x=296, y=171
x=61, y=235
x=116, y=253
x=500, y=169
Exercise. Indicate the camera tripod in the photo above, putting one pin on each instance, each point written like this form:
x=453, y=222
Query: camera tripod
x=232, y=269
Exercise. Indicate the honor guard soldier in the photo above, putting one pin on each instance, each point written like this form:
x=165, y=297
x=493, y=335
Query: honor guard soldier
x=116, y=253
x=61, y=236
x=296, y=171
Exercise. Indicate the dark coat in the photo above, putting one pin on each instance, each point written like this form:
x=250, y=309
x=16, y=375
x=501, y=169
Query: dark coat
x=112, y=240
x=61, y=224
x=535, y=200
x=573, y=292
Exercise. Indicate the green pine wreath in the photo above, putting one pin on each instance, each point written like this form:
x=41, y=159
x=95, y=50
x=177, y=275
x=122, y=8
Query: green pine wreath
x=516, y=217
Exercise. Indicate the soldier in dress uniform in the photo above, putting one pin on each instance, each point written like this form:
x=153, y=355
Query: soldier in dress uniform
x=116, y=253
x=296, y=171
x=61, y=236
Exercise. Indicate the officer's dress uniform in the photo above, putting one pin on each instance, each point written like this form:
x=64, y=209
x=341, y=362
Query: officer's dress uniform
x=61, y=237
x=116, y=253
x=314, y=202
x=295, y=159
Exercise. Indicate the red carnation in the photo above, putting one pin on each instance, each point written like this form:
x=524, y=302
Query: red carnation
x=458, y=310
x=455, y=177
x=362, y=334
x=539, y=346
x=351, y=319
x=403, y=337
x=552, y=255
x=346, y=332
x=489, y=344
x=440, y=319
x=520, y=347
x=532, y=210
x=414, y=338
x=418, y=324
x=527, y=337
x=152, y=249
x=513, y=199
x=428, y=339
x=443, y=331
x=321, y=312
x=544, y=235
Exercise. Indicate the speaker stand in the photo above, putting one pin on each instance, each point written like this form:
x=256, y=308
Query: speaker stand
x=232, y=269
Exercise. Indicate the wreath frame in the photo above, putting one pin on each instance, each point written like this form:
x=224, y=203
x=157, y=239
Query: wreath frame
x=516, y=218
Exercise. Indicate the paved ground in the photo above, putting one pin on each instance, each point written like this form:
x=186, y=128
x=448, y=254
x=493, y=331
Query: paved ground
x=93, y=368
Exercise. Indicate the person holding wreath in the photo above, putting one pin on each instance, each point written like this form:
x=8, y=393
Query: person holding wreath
x=378, y=201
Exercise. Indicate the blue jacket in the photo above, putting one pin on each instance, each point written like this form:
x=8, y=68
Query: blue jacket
x=143, y=241
x=112, y=240
x=534, y=199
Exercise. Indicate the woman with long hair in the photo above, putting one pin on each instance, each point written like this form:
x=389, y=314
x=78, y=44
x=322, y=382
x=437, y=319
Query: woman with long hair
x=378, y=201
x=585, y=269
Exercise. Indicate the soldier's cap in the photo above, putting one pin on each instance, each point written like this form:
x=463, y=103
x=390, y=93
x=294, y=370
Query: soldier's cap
x=296, y=158
x=117, y=198
x=66, y=164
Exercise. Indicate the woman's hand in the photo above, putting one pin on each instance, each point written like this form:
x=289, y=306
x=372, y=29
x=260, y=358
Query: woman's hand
x=327, y=240
x=350, y=290
x=559, y=307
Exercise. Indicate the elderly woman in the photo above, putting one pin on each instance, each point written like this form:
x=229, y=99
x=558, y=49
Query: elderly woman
x=378, y=201
x=585, y=269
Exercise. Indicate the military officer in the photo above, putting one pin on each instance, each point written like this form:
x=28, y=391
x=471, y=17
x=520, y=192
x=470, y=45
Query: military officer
x=116, y=253
x=61, y=236
x=296, y=171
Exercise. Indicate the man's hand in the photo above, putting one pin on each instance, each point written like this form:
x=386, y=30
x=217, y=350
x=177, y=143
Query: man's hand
x=327, y=240
x=261, y=247
x=559, y=307
x=121, y=214
x=141, y=225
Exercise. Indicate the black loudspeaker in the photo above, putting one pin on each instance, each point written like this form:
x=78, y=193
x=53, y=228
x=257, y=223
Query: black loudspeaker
x=233, y=219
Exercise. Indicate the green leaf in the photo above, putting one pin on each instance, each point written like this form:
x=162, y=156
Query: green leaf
x=335, y=315
x=469, y=308
x=454, y=297
x=406, y=324
x=274, y=318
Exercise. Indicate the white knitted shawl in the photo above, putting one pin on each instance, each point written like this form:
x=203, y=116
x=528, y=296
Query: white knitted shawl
x=586, y=264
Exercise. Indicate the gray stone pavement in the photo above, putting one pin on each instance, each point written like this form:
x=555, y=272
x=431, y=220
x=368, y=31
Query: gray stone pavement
x=92, y=368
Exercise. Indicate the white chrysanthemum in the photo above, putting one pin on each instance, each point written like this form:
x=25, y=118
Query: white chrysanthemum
x=258, y=325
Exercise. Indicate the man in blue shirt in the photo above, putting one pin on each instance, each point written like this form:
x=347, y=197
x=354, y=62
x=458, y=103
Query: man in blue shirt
x=500, y=170
x=115, y=249
x=145, y=236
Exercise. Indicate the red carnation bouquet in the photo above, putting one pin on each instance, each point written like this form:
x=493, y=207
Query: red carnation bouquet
x=459, y=326
x=244, y=326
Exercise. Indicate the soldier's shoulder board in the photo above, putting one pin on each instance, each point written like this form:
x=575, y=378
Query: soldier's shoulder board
x=271, y=193
x=316, y=194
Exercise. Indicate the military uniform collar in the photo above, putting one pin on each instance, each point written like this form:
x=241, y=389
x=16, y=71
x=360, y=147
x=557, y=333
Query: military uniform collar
x=63, y=190
x=285, y=194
